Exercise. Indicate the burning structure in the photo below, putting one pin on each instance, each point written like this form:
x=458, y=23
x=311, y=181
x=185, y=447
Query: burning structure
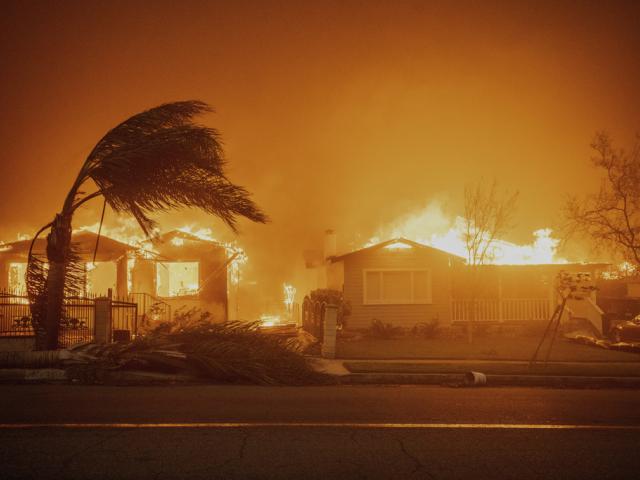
x=404, y=283
x=179, y=269
x=186, y=271
x=108, y=270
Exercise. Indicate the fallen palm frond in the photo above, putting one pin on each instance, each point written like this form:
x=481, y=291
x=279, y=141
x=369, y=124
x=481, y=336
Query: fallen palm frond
x=231, y=352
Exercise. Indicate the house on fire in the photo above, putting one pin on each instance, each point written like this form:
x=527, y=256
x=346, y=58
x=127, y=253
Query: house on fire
x=181, y=270
x=405, y=283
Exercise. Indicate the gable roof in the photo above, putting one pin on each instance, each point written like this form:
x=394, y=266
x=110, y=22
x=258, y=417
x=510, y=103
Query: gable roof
x=404, y=241
x=169, y=236
x=84, y=241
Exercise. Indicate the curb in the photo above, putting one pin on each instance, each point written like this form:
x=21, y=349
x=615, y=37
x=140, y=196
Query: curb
x=455, y=379
x=33, y=375
x=60, y=376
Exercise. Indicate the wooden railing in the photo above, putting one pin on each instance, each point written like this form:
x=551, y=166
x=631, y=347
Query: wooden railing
x=500, y=310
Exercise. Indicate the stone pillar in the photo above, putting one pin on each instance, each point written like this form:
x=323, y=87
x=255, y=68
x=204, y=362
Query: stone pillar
x=330, y=328
x=122, y=287
x=103, y=323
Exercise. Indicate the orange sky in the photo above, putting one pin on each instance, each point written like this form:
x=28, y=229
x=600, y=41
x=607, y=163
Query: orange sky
x=336, y=115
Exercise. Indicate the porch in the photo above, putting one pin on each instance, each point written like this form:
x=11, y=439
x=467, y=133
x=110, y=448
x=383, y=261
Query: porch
x=501, y=310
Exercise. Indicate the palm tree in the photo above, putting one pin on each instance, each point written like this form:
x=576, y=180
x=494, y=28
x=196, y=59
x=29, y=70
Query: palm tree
x=155, y=161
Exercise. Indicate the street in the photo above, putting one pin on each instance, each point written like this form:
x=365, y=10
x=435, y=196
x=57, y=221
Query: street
x=53, y=431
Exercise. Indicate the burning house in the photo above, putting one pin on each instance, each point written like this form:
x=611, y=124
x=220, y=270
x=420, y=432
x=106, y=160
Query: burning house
x=108, y=272
x=404, y=283
x=177, y=270
x=186, y=270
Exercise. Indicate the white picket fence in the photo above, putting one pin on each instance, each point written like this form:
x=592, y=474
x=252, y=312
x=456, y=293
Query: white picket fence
x=501, y=310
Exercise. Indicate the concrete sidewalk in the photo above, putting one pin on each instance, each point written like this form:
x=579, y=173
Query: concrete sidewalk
x=507, y=373
x=594, y=369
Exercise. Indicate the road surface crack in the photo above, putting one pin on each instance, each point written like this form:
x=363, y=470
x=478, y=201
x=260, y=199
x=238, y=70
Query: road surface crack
x=66, y=462
x=243, y=445
x=417, y=464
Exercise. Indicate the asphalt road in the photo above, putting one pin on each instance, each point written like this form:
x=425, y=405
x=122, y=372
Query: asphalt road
x=317, y=432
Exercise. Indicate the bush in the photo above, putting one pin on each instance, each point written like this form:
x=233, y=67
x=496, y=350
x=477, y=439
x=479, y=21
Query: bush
x=428, y=329
x=383, y=331
x=480, y=329
x=331, y=297
x=533, y=329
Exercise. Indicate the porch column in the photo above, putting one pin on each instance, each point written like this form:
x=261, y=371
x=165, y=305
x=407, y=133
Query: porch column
x=144, y=276
x=122, y=287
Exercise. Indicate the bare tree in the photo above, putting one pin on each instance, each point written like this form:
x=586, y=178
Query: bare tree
x=610, y=218
x=488, y=214
x=157, y=160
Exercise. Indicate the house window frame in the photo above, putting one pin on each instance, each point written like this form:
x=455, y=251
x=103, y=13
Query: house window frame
x=161, y=264
x=382, y=301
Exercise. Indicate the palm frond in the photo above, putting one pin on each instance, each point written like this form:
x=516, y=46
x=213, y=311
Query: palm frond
x=231, y=352
x=37, y=271
x=159, y=160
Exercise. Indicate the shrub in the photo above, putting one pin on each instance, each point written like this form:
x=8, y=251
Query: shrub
x=428, y=329
x=533, y=329
x=480, y=329
x=331, y=297
x=383, y=331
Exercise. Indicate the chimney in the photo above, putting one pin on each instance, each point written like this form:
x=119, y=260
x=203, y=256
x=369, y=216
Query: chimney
x=329, y=244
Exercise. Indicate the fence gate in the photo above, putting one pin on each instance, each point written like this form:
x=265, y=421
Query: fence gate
x=78, y=323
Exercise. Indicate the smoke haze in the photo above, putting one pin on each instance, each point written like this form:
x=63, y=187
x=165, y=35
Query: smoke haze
x=343, y=115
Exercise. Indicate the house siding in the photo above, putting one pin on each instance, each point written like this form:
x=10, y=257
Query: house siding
x=403, y=315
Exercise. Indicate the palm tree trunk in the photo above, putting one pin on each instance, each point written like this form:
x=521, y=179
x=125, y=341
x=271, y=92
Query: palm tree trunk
x=58, y=250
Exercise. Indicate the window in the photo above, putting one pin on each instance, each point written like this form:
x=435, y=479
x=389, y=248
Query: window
x=397, y=287
x=17, y=273
x=174, y=279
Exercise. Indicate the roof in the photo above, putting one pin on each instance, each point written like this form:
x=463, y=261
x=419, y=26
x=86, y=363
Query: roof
x=85, y=243
x=393, y=241
x=167, y=237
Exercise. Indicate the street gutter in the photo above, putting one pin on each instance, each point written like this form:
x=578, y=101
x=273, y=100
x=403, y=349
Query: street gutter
x=457, y=380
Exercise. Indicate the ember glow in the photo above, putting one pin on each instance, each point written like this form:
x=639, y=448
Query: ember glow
x=235, y=253
x=622, y=270
x=289, y=296
x=175, y=279
x=270, y=320
x=126, y=230
x=431, y=226
x=17, y=274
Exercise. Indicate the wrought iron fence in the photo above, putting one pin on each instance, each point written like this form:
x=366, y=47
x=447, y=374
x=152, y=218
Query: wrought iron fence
x=150, y=308
x=78, y=324
x=124, y=318
x=15, y=315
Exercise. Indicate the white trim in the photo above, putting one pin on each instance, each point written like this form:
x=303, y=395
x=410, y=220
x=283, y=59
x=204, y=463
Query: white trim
x=382, y=301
